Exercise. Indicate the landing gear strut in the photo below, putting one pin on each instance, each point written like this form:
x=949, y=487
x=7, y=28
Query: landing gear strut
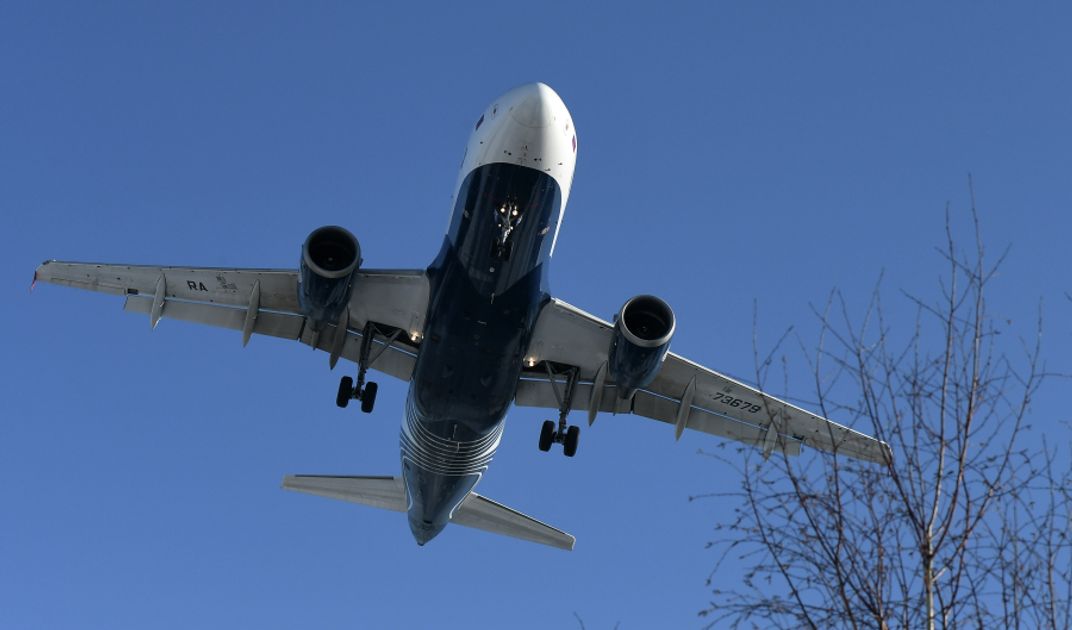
x=365, y=392
x=564, y=434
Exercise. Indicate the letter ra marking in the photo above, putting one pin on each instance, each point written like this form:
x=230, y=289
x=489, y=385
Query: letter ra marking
x=196, y=286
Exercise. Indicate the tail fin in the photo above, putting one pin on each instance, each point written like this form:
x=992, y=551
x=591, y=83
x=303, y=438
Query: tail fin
x=389, y=493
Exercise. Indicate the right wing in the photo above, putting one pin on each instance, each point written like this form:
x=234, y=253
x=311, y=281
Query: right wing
x=684, y=393
x=263, y=301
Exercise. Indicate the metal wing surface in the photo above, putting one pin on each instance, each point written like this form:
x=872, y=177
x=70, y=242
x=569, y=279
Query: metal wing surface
x=684, y=394
x=263, y=301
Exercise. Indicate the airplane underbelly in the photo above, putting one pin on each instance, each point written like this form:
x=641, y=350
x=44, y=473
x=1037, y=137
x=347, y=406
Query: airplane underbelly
x=446, y=447
x=442, y=461
x=487, y=286
x=463, y=384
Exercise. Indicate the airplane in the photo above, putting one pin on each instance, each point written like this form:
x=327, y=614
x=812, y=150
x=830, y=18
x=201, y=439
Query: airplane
x=473, y=333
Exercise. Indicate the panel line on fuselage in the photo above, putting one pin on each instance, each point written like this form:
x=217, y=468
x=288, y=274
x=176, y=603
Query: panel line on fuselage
x=433, y=453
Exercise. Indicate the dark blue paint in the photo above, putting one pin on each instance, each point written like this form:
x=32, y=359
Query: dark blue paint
x=487, y=286
x=330, y=257
x=642, y=333
x=632, y=367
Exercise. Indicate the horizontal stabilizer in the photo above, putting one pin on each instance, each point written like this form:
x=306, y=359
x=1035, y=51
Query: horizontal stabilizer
x=483, y=513
x=386, y=493
x=389, y=493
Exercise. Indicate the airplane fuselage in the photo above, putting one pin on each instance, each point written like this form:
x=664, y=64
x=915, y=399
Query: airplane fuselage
x=487, y=286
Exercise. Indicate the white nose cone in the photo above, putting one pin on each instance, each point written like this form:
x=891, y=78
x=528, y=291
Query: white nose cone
x=528, y=126
x=536, y=105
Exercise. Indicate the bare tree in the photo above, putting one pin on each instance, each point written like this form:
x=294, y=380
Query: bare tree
x=968, y=526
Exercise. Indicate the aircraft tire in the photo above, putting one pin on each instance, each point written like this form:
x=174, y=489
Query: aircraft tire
x=569, y=447
x=346, y=390
x=547, y=435
x=368, y=397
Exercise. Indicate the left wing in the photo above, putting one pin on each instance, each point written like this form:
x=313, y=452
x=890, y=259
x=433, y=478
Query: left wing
x=263, y=301
x=684, y=393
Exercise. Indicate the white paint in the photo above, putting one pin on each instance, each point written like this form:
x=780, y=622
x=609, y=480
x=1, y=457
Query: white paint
x=529, y=126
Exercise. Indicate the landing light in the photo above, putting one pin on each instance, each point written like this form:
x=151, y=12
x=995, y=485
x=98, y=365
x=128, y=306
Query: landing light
x=415, y=336
x=530, y=362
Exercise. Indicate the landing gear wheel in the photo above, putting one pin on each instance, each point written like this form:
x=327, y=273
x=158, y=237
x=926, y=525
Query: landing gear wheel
x=346, y=391
x=547, y=435
x=368, y=397
x=561, y=432
x=569, y=445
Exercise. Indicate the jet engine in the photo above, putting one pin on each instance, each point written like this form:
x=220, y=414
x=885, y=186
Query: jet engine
x=642, y=333
x=329, y=259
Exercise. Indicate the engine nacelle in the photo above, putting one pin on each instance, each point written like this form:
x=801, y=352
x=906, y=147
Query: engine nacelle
x=329, y=259
x=642, y=333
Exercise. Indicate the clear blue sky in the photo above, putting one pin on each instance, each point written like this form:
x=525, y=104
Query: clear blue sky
x=743, y=151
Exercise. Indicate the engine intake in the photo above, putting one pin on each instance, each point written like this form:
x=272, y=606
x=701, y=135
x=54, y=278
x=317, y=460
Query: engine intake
x=330, y=257
x=642, y=334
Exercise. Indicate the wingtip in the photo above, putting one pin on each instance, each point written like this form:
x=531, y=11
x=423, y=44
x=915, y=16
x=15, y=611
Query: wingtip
x=33, y=283
x=887, y=454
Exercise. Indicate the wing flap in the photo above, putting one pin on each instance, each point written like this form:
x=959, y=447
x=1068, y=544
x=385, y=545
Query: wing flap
x=699, y=419
x=536, y=391
x=275, y=324
x=393, y=360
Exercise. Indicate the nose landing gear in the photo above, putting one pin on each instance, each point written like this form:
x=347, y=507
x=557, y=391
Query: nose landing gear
x=566, y=435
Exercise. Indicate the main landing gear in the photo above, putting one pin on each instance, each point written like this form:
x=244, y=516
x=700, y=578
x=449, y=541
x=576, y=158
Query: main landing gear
x=563, y=434
x=365, y=392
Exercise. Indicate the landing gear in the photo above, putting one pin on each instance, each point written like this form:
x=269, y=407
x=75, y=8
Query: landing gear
x=365, y=392
x=346, y=391
x=564, y=434
x=547, y=435
x=569, y=444
x=368, y=397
